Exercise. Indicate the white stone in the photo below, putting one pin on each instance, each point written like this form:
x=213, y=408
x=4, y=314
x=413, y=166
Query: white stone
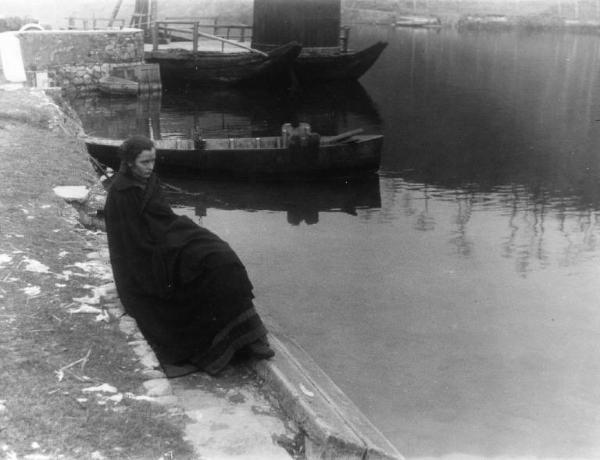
x=4, y=259
x=72, y=192
x=85, y=309
x=32, y=265
x=158, y=387
x=105, y=387
x=32, y=290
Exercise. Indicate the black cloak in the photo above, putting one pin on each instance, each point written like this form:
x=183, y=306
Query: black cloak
x=186, y=288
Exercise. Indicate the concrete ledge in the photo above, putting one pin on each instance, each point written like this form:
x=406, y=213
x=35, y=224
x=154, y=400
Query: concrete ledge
x=335, y=427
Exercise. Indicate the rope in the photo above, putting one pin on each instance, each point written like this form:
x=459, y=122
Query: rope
x=102, y=170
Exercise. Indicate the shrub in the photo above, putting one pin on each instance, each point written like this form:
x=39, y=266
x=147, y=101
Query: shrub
x=14, y=23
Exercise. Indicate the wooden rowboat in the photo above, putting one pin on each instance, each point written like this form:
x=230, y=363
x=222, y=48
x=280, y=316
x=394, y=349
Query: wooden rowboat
x=346, y=154
x=209, y=67
x=118, y=86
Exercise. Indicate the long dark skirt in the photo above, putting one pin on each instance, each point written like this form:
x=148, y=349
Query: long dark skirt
x=210, y=318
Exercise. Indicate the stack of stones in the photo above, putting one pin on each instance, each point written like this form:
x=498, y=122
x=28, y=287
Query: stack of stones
x=75, y=60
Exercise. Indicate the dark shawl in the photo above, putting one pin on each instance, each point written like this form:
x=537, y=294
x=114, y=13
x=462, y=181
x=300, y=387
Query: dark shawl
x=182, y=283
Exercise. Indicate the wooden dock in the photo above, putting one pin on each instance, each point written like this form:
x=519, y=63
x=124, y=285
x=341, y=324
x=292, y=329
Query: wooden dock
x=203, y=45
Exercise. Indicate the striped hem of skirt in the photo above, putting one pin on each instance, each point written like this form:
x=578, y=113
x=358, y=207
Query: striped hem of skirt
x=244, y=329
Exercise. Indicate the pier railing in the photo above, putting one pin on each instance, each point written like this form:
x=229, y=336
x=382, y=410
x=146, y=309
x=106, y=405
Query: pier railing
x=94, y=23
x=196, y=29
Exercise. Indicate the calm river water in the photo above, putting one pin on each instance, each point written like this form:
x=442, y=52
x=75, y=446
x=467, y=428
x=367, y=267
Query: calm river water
x=455, y=298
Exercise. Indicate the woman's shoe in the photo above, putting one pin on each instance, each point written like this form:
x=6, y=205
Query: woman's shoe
x=261, y=350
x=179, y=370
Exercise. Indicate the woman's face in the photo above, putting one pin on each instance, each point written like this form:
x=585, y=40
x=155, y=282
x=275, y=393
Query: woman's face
x=143, y=165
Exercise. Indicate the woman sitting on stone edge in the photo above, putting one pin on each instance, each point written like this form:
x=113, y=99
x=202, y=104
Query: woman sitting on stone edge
x=186, y=288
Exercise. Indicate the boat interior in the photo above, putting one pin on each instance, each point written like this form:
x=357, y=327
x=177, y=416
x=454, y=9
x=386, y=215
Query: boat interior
x=222, y=144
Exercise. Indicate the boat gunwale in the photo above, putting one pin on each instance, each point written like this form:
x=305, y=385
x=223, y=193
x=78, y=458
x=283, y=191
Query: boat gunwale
x=183, y=145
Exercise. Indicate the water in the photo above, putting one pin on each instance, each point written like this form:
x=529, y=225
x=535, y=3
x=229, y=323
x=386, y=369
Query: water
x=455, y=297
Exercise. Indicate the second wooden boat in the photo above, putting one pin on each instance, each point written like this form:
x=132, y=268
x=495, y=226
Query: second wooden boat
x=346, y=154
x=210, y=67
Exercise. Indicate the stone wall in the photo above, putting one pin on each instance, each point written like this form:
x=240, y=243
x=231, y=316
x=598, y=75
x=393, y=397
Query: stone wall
x=76, y=59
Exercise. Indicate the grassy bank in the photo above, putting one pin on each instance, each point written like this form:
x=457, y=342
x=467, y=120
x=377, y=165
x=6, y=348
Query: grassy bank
x=52, y=356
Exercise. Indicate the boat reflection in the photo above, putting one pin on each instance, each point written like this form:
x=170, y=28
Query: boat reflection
x=301, y=201
x=230, y=112
x=118, y=117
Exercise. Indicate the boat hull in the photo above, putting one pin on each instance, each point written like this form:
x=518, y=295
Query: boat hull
x=211, y=67
x=321, y=64
x=260, y=158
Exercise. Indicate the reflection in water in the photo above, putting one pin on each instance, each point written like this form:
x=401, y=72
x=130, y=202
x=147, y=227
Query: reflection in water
x=118, y=117
x=301, y=201
x=425, y=221
x=230, y=112
x=493, y=109
x=539, y=230
x=460, y=240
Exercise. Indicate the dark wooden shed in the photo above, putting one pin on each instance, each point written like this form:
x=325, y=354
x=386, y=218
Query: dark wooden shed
x=313, y=23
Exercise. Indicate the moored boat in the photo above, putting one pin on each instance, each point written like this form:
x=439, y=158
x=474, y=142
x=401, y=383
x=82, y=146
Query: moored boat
x=117, y=86
x=214, y=67
x=417, y=21
x=317, y=25
x=346, y=154
x=334, y=63
x=485, y=22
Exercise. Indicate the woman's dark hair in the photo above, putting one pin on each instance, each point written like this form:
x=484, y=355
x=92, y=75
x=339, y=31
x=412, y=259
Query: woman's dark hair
x=133, y=146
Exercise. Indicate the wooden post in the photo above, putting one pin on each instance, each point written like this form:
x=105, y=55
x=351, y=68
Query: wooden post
x=344, y=36
x=195, y=37
x=153, y=10
x=155, y=36
x=115, y=11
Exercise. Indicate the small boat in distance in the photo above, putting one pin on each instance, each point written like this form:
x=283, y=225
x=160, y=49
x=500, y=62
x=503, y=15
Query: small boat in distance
x=117, y=86
x=417, y=21
x=261, y=158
